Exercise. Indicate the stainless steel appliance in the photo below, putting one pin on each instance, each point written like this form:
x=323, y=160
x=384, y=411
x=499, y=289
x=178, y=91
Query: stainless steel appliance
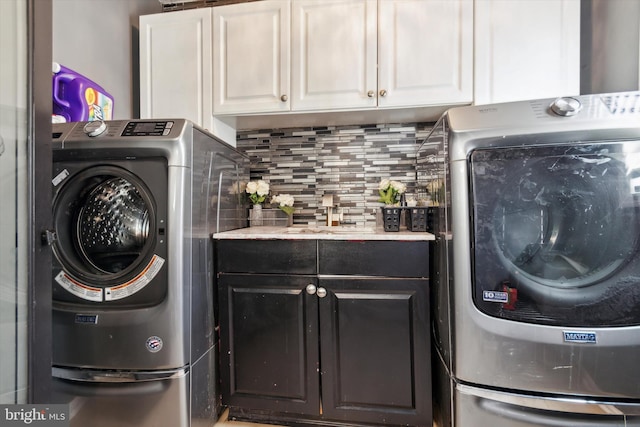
x=135, y=204
x=537, y=290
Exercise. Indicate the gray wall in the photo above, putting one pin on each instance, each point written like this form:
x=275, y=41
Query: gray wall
x=610, y=46
x=99, y=39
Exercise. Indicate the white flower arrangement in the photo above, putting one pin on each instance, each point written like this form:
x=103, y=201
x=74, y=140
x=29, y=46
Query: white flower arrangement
x=258, y=191
x=390, y=191
x=285, y=202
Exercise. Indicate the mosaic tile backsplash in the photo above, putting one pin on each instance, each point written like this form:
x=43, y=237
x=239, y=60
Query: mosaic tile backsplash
x=346, y=161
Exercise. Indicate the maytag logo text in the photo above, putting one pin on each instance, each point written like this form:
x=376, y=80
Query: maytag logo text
x=580, y=337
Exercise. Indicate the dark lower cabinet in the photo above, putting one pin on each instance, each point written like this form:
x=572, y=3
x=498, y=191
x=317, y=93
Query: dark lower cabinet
x=269, y=343
x=324, y=349
x=374, y=347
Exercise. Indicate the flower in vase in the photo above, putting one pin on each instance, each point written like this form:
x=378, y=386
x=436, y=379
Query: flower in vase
x=258, y=191
x=285, y=202
x=390, y=191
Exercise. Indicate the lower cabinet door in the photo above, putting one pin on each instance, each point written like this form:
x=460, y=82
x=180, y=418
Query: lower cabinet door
x=269, y=343
x=374, y=341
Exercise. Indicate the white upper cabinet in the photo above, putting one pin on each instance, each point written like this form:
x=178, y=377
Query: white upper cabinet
x=526, y=49
x=212, y=65
x=251, y=61
x=175, y=70
x=425, y=52
x=384, y=53
x=175, y=66
x=334, y=54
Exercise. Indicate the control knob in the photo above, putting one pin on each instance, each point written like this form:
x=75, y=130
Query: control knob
x=95, y=128
x=566, y=106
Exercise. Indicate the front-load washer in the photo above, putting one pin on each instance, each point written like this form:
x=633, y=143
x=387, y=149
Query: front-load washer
x=537, y=292
x=135, y=203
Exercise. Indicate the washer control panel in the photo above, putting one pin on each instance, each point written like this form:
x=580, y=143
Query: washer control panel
x=150, y=128
x=112, y=130
x=622, y=104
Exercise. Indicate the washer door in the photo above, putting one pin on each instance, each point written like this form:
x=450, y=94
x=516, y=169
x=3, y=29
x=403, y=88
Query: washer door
x=556, y=233
x=104, y=218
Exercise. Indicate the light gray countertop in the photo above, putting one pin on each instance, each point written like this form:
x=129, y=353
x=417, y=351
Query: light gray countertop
x=321, y=233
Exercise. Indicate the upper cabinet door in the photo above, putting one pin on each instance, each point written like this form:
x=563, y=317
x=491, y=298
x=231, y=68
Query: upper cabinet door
x=334, y=50
x=425, y=52
x=175, y=66
x=251, y=58
x=526, y=49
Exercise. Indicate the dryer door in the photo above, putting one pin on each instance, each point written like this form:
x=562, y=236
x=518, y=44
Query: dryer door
x=105, y=218
x=556, y=233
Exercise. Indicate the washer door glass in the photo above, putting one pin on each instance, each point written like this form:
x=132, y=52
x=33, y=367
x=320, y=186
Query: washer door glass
x=556, y=233
x=103, y=217
x=112, y=225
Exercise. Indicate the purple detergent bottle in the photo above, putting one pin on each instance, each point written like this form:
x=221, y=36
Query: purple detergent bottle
x=78, y=99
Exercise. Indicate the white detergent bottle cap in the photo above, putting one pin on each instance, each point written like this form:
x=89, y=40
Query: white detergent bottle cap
x=55, y=68
x=57, y=118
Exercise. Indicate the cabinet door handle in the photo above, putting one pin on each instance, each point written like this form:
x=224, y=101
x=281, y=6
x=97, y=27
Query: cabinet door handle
x=311, y=289
x=383, y=92
x=284, y=98
x=322, y=292
x=370, y=94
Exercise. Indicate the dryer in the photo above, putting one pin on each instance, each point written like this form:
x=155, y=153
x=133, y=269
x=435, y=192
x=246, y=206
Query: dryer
x=537, y=292
x=135, y=204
